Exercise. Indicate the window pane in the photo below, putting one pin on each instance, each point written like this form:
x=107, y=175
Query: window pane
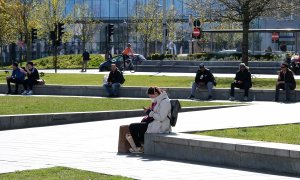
x=104, y=9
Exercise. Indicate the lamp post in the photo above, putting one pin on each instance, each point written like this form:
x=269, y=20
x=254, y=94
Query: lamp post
x=156, y=14
x=124, y=33
x=164, y=28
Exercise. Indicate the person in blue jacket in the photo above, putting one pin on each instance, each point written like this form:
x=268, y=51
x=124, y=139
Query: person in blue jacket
x=16, y=77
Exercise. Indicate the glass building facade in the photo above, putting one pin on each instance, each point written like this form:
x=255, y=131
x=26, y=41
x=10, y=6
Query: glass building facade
x=120, y=13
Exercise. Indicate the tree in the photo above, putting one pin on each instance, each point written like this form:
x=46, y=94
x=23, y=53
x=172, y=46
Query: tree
x=148, y=21
x=7, y=30
x=22, y=13
x=85, y=24
x=241, y=11
x=51, y=14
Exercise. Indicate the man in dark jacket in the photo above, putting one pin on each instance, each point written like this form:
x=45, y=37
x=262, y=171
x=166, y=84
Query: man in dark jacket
x=204, y=78
x=285, y=81
x=114, y=81
x=32, y=77
x=85, y=58
x=242, y=80
x=16, y=77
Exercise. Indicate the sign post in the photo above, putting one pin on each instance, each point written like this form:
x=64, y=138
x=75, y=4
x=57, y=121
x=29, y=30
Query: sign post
x=275, y=37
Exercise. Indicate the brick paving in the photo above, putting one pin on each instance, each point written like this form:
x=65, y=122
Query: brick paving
x=93, y=146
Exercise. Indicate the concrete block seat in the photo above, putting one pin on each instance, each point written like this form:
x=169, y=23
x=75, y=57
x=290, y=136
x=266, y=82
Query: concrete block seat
x=140, y=92
x=256, y=67
x=275, y=157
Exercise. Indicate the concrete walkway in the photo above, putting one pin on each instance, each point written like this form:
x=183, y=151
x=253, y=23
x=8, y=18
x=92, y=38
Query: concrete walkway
x=93, y=146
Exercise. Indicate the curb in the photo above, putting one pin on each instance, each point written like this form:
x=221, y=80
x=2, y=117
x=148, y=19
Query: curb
x=8, y=122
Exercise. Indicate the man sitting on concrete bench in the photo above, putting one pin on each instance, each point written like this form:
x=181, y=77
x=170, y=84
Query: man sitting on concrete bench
x=16, y=77
x=204, y=78
x=32, y=78
x=242, y=80
x=285, y=81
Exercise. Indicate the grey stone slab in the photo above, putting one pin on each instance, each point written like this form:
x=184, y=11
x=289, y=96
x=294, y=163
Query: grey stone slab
x=140, y=92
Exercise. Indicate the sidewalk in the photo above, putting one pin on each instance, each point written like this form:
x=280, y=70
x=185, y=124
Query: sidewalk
x=93, y=146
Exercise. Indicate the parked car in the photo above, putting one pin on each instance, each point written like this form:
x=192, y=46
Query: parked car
x=118, y=60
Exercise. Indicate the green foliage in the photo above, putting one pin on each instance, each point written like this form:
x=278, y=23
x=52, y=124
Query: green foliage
x=157, y=56
x=58, y=173
x=280, y=133
x=68, y=61
x=33, y=105
x=236, y=56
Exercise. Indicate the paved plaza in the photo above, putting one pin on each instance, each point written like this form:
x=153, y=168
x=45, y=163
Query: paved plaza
x=93, y=146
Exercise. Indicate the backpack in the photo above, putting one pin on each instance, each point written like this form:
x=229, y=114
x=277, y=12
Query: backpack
x=175, y=108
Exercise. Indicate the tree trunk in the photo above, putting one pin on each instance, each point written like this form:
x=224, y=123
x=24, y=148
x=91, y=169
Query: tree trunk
x=1, y=57
x=245, y=44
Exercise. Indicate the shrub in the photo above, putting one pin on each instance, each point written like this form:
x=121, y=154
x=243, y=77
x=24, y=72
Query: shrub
x=68, y=61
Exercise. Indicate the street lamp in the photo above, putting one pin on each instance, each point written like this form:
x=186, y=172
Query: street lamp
x=164, y=23
x=156, y=14
x=124, y=34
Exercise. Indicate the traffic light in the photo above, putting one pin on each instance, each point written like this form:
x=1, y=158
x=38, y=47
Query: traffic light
x=197, y=23
x=110, y=31
x=33, y=35
x=60, y=29
x=53, y=36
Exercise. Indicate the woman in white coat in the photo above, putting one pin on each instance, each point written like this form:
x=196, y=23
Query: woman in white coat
x=156, y=121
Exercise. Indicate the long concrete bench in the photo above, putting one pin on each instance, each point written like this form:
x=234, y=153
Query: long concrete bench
x=140, y=92
x=193, y=69
x=275, y=157
x=256, y=67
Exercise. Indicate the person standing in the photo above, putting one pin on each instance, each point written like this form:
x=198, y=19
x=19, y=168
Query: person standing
x=242, y=80
x=114, y=81
x=127, y=53
x=85, y=59
x=204, y=78
x=16, y=77
x=32, y=77
x=156, y=121
x=285, y=81
x=108, y=56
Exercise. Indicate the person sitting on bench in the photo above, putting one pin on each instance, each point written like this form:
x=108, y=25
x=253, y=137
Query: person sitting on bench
x=242, y=80
x=285, y=81
x=16, y=77
x=32, y=78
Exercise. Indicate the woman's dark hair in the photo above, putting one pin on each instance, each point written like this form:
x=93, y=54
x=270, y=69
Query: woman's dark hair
x=31, y=63
x=15, y=64
x=153, y=90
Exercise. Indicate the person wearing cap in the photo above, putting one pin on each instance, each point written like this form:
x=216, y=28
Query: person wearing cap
x=32, y=77
x=127, y=53
x=204, y=78
x=285, y=81
x=16, y=77
x=242, y=80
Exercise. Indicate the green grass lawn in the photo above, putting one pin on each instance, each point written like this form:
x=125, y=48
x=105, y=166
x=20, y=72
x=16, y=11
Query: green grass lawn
x=145, y=80
x=280, y=133
x=32, y=105
x=58, y=173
